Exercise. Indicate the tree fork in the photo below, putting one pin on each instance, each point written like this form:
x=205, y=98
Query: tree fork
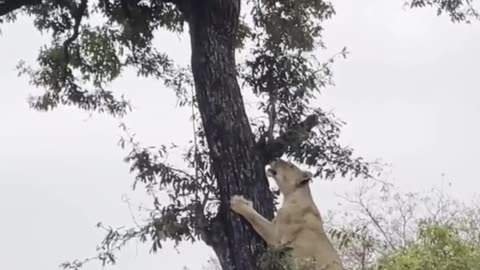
x=293, y=136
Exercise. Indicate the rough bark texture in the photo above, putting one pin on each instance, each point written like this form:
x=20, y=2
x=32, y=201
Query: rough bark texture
x=236, y=162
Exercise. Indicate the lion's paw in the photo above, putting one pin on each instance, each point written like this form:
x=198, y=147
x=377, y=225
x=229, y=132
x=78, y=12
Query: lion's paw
x=239, y=204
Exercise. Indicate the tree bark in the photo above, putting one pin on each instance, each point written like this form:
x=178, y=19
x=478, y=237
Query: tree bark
x=236, y=162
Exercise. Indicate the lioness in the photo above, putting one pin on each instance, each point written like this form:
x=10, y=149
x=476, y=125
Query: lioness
x=298, y=224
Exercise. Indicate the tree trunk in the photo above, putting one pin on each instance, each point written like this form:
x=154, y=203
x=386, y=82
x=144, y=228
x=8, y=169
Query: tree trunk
x=236, y=164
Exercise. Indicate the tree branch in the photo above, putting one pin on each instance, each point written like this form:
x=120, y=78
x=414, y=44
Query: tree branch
x=78, y=20
x=294, y=135
x=7, y=6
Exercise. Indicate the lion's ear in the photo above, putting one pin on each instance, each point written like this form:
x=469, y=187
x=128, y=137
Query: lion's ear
x=306, y=175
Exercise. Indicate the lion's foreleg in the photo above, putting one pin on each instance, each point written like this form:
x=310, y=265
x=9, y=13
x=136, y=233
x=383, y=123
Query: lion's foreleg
x=265, y=228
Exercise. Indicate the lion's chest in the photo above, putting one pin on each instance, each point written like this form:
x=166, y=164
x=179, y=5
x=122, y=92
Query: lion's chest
x=286, y=217
x=289, y=221
x=297, y=227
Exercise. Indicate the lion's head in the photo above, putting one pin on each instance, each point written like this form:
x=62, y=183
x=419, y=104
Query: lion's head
x=288, y=176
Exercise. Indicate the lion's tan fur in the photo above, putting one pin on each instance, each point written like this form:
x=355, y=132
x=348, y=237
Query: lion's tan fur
x=298, y=224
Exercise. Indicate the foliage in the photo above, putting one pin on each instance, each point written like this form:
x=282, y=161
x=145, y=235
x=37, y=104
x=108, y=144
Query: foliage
x=283, y=260
x=378, y=222
x=438, y=247
x=458, y=10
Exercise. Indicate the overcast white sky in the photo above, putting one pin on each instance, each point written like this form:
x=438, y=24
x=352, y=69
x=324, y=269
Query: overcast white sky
x=408, y=92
